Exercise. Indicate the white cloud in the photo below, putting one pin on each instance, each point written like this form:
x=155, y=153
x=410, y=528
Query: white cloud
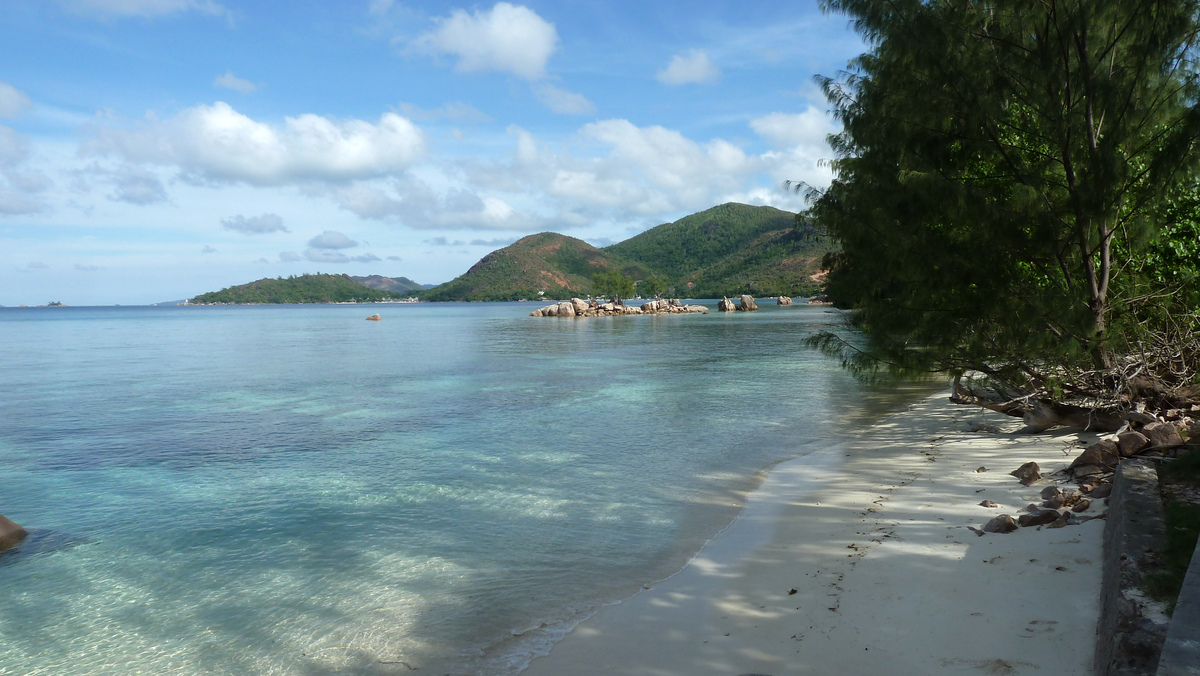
x=218, y=144
x=13, y=101
x=507, y=38
x=691, y=67
x=231, y=81
x=365, y=258
x=415, y=204
x=142, y=8
x=289, y=257
x=563, y=101
x=18, y=185
x=331, y=240
x=256, y=225
x=809, y=128
x=323, y=256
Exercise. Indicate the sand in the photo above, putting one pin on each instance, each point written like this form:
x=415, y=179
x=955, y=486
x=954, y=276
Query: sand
x=872, y=537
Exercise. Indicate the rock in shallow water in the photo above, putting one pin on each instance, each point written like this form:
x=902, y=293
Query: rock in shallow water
x=10, y=532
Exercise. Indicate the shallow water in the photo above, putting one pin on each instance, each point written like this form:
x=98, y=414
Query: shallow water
x=293, y=490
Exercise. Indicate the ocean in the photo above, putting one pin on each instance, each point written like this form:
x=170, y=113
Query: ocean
x=293, y=490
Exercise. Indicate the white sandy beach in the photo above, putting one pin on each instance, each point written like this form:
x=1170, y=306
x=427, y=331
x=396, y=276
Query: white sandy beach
x=872, y=536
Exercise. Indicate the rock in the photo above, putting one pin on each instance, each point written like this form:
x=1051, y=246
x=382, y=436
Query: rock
x=1051, y=492
x=1038, y=518
x=1000, y=524
x=1082, y=505
x=696, y=308
x=1100, y=492
x=374, y=318
x=608, y=307
x=1163, y=435
x=989, y=504
x=580, y=306
x=747, y=304
x=565, y=309
x=1027, y=473
x=10, y=533
x=675, y=302
x=1103, y=453
x=1085, y=470
x=1064, y=519
x=1139, y=417
x=726, y=305
x=984, y=427
x=784, y=300
x=1129, y=443
x=981, y=470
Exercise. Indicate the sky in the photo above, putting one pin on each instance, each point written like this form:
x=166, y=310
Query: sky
x=153, y=150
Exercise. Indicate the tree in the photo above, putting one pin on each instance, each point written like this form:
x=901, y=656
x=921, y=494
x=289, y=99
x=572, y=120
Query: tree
x=1003, y=169
x=652, y=286
x=612, y=283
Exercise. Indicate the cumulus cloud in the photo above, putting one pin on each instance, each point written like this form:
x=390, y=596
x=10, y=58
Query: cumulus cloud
x=325, y=256
x=809, y=128
x=331, y=240
x=138, y=186
x=497, y=243
x=142, y=8
x=218, y=144
x=507, y=38
x=13, y=101
x=563, y=101
x=255, y=225
x=634, y=174
x=289, y=257
x=442, y=241
x=18, y=185
x=690, y=67
x=415, y=204
x=237, y=84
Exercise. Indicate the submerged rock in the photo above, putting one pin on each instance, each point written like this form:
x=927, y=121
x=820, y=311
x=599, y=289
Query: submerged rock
x=784, y=300
x=374, y=318
x=10, y=532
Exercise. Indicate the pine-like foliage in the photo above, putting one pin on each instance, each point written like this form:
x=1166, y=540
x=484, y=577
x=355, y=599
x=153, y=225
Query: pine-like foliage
x=1005, y=173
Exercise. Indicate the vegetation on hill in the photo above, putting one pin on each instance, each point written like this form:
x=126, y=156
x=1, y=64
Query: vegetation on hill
x=318, y=288
x=396, y=284
x=727, y=250
x=555, y=265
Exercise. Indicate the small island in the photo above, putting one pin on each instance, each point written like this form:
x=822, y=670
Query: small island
x=318, y=288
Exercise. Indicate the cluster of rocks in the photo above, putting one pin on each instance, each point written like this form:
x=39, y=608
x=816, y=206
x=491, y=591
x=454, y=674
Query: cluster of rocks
x=577, y=307
x=783, y=300
x=10, y=533
x=1092, y=471
x=746, y=304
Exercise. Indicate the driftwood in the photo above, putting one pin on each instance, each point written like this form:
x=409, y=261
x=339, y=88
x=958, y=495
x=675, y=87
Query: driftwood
x=1038, y=413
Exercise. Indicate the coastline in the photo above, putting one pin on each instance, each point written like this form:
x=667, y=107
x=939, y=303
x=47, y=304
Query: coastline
x=872, y=536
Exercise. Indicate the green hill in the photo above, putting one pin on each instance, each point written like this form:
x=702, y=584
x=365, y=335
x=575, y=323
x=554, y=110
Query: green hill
x=396, y=284
x=557, y=265
x=725, y=251
x=729, y=250
x=318, y=288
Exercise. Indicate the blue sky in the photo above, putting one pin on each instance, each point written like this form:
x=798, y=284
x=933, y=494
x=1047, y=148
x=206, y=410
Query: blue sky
x=152, y=150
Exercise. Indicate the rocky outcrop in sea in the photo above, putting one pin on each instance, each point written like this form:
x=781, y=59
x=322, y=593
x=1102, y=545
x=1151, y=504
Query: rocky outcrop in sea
x=577, y=307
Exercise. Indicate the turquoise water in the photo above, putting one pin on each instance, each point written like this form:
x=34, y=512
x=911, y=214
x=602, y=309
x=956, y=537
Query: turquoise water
x=293, y=490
